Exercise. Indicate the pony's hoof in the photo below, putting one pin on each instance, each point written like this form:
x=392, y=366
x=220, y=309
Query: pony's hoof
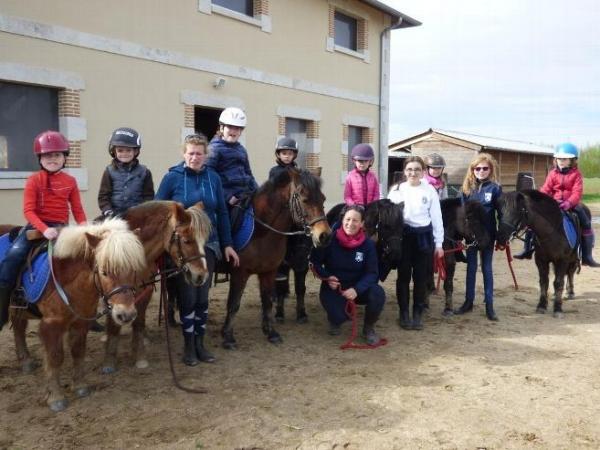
x=58, y=405
x=229, y=345
x=447, y=312
x=275, y=338
x=108, y=370
x=142, y=364
x=83, y=392
x=540, y=310
x=302, y=319
x=571, y=296
x=28, y=367
x=558, y=315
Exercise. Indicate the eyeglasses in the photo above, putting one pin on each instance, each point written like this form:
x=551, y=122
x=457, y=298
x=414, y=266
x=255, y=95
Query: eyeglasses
x=484, y=169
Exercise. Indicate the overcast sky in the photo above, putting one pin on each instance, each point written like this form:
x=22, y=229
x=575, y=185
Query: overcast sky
x=517, y=69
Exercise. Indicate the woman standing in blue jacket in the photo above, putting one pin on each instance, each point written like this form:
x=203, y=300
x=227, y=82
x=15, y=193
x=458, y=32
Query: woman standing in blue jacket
x=190, y=182
x=348, y=267
x=480, y=184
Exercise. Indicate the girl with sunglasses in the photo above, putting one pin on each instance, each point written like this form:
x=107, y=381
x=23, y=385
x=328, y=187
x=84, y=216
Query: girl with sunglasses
x=480, y=184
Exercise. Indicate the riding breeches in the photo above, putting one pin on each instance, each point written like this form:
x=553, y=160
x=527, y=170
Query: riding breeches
x=193, y=300
x=12, y=262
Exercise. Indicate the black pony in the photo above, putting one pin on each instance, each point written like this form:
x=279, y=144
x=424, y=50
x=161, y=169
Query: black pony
x=463, y=227
x=536, y=210
x=384, y=224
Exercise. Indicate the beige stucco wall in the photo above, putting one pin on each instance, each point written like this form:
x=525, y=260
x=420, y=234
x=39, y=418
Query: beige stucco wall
x=146, y=95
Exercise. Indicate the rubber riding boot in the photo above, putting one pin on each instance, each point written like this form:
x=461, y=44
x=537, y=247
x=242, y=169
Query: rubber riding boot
x=587, y=244
x=369, y=333
x=527, y=247
x=189, y=350
x=4, y=304
x=334, y=330
x=466, y=307
x=417, y=322
x=203, y=354
x=489, y=312
x=402, y=296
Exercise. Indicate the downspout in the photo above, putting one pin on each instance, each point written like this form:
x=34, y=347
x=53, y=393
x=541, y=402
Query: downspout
x=384, y=103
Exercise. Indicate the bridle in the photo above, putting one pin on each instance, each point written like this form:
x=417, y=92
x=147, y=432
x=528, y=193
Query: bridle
x=518, y=226
x=181, y=260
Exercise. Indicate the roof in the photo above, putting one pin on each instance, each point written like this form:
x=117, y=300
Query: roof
x=400, y=20
x=485, y=142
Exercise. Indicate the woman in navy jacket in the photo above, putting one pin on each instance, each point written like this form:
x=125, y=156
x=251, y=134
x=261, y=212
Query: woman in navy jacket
x=190, y=182
x=348, y=267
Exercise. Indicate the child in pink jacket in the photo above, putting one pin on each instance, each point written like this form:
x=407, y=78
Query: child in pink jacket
x=362, y=186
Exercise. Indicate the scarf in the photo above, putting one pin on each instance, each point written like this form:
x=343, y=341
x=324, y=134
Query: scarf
x=349, y=242
x=437, y=183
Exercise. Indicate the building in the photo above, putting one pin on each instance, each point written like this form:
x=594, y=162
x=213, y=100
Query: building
x=316, y=70
x=458, y=149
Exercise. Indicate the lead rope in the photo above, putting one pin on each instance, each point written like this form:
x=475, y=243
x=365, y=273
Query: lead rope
x=350, y=310
x=163, y=302
x=509, y=259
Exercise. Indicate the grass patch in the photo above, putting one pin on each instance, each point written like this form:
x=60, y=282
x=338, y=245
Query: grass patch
x=591, y=186
x=591, y=198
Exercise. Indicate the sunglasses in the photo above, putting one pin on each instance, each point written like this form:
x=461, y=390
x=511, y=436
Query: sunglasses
x=478, y=169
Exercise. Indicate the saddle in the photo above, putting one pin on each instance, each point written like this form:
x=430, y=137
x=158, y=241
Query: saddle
x=572, y=228
x=34, y=275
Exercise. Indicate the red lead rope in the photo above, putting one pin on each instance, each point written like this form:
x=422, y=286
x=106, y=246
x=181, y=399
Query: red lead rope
x=509, y=259
x=351, y=313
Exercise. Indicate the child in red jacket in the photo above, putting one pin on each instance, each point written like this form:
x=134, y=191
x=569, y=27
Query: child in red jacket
x=362, y=186
x=564, y=184
x=46, y=199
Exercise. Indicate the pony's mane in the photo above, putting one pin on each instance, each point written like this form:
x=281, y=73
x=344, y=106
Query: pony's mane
x=544, y=205
x=388, y=212
x=119, y=250
x=200, y=224
x=305, y=178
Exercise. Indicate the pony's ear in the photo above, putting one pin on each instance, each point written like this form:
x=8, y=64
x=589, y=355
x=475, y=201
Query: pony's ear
x=179, y=214
x=199, y=206
x=92, y=239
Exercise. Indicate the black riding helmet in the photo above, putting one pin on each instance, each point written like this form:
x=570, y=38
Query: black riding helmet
x=286, y=143
x=124, y=137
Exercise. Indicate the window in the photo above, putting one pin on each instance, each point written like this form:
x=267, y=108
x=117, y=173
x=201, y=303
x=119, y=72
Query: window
x=26, y=112
x=346, y=31
x=297, y=130
x=354, y=138
x=242, y=6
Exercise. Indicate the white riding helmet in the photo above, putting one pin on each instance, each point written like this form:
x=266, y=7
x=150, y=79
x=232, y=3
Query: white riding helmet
x=233, y=116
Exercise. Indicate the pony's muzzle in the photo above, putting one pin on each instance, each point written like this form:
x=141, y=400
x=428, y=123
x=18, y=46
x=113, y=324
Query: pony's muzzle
x=123, y=314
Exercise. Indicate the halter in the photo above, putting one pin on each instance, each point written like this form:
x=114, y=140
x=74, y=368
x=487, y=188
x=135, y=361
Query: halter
x=105, y=297
x=518, y=226
x=181, y=259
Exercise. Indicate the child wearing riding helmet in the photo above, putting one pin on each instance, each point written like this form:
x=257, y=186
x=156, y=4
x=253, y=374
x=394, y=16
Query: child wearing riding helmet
x=286, y=152
x=433, y=175
x=480, y=184
x=229, y=158
x=564, y=184
x=125, y=182
x=47, y=197
x=362, y=186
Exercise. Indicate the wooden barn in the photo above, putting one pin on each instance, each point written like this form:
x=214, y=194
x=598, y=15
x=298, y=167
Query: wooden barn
x=458, y=149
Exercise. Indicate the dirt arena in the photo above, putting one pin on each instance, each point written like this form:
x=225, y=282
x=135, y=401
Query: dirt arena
x=527, y=381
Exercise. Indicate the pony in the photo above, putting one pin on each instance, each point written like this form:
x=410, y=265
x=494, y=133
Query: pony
x=384, y=223
x=163, y=226
x=538, y=211
x=89, y=263
x=463, y=227
x=293, y=197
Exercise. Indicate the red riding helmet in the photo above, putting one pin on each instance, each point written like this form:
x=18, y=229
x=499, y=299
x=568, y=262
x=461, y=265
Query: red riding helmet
x=50, y=142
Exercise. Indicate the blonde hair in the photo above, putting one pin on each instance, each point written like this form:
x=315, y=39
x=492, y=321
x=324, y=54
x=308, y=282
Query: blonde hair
x=470, y=182
x=195, y=139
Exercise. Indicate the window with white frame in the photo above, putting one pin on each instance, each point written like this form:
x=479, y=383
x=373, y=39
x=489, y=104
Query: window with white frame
x=345, y=31
x=241, y=6
x=26, y=111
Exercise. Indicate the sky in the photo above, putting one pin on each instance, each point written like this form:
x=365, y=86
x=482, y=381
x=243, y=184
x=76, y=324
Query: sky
x=527, y=70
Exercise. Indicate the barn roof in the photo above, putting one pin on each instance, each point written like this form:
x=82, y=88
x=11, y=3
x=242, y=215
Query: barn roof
x=485, y=143
x=401, y=20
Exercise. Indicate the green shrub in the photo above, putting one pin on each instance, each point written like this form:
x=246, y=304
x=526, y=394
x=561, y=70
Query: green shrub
x=589, y=162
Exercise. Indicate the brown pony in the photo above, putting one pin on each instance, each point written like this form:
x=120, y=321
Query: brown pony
x=89, y=262
x=293, y=197
x=162, y=226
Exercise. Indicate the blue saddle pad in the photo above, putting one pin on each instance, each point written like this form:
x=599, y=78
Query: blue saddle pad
x=33, y=281
x=244, y=234
x=570, y=230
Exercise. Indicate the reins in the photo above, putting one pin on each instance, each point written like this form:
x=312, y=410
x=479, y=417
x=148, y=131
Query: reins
x=350, y=310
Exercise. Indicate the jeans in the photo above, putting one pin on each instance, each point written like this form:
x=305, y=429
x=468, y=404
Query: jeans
x=486, y=269
x=335, y=305
x=12, y=262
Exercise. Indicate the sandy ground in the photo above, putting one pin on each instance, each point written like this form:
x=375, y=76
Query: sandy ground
x=528, y=381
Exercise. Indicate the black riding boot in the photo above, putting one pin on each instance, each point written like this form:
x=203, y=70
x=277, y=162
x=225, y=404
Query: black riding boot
x=369, y=328
x=203, y=354
x=402, y=296
x=189, y=350
x=489, y=312
x=587, y=244
x=527, y=247
x=4, y=304
x=466, y=307
x=417, y=322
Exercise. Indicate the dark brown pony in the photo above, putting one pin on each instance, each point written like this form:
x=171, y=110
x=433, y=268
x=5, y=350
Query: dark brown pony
x=162, y=226
x=530, y=208
x=92, y=262
x=463, y=226
x=293, y=197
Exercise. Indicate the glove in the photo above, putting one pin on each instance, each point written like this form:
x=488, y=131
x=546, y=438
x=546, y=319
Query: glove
x=108, y=213
x=565, y=206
